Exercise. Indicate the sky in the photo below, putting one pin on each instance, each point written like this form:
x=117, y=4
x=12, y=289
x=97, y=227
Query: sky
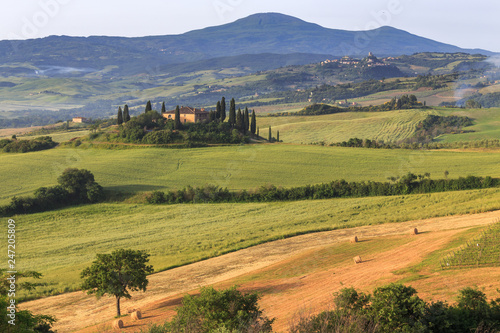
x=467, y=24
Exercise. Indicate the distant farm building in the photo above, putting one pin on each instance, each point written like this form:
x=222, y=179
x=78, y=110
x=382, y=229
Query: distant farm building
x=80, y=120
x=188, y=115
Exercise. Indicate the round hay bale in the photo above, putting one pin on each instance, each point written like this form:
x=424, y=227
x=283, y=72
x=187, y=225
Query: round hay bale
x=415, y=231
x=357, y=260
x=136, y=315
x=354, y=239
x=118, y=324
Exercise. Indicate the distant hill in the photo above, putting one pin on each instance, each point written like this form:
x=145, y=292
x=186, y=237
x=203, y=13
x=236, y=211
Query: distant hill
x=270, y=33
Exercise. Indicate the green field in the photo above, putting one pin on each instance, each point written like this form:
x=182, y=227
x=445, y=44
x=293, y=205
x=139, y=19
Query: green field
x=235, y=167
x=61, y=243
x=390, y=126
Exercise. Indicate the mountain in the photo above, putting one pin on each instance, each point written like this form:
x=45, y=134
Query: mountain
x=256, y=34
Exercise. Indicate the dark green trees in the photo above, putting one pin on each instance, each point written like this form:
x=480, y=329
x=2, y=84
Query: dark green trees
x=218, y=110
x=270, y=136
x=119, y=118
x=116, y=273
x=126, y=115
x=163, y=108
x=81, y=185
x=148, y=107
x=253, y=123
x=278, y=136
x=177, y=124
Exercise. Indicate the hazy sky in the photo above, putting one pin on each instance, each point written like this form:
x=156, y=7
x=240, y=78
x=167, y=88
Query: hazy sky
x=468, y=24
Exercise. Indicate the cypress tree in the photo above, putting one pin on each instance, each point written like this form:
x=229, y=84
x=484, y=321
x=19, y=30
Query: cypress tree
x=223, y=109
x=253, y=123
x=148, y=107
x=126, y=115
x=232, y=113
x=278, y=136
x=218, y=111
x=163, y=109
x=257, y=131
x=270, y=135
x=119, y=119
x=211, y=116
x=246, y=121
x=177, y=124
x=239, y=120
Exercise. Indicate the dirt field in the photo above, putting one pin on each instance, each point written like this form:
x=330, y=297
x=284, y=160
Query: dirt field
x=285, y=297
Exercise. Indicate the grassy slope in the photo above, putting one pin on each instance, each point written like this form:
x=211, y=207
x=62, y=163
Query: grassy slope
x=235, y=167
x=61, y=243
x=386, y=126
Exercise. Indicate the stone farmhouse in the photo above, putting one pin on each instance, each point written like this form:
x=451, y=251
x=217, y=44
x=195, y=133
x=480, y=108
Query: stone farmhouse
x=188, y=115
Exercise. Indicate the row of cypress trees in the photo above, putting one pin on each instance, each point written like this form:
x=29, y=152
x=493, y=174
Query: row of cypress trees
x=123, y=116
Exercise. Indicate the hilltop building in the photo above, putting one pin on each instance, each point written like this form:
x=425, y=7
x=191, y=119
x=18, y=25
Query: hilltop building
x=80, y=120
x=188, y=115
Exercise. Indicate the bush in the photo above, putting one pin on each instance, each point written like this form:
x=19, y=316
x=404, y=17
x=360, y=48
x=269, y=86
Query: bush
x=220, y=311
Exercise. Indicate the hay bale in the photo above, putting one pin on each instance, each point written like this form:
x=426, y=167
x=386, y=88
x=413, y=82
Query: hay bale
x=415, y=231
x=117, y=324
x=357, y=260
x=136, y=315
x=354, y=239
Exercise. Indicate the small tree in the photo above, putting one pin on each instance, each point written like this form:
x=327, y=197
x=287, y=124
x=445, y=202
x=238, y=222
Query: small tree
x=278, y=136
x=148, y=107
x=163, y=108
x=116, y=274
x=214, y=310
x=270, y=136
x=253, y=123
x=246, y=121
x=218, y=110
x=223, y=109
x=119, y=119
x=232, y=112
x=177, y=124
x=239, y=120
x=126, y=115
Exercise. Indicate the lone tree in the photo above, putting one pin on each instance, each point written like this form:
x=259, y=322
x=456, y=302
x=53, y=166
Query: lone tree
x=116, y=274
x=119, y=119
x=222, y=109
x=148, y=107
x=126, y=115
x=253, y=123
x=163, y=108
x=270, y=138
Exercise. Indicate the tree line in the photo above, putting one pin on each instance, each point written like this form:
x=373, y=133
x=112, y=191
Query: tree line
x=23, y=146
x=408, y=184
x=76, y=186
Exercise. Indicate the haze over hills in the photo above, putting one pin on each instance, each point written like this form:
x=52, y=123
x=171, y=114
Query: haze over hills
x=256, y=34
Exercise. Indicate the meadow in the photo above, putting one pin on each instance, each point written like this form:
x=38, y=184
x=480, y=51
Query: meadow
x=134, y=170
x=61, y=243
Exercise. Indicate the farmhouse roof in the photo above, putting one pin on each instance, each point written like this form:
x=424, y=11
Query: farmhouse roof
x=187, y=110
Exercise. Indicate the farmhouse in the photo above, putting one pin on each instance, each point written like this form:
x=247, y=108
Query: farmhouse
x=79, y=120
x=188, y=115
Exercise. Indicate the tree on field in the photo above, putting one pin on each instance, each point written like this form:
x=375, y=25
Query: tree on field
x=270, y=137
x=148, y=107
x=278, y=136
x=5, y=282
x=119, y=119
x=253, y=123
x=116, y=274
x=163, y=108
x=239, y=120
x=223, y=109
x=220, y=311
x=177, y=124
x=246, y=121
x=218, y=110
x=126, y=115
x=81, y=185
x=232, y=112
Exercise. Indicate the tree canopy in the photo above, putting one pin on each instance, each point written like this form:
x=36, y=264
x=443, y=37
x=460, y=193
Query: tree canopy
x=116, y=274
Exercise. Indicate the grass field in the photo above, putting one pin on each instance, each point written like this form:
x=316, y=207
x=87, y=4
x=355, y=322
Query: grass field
x=234, y=167
x=391, y=126
x=61, y=243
